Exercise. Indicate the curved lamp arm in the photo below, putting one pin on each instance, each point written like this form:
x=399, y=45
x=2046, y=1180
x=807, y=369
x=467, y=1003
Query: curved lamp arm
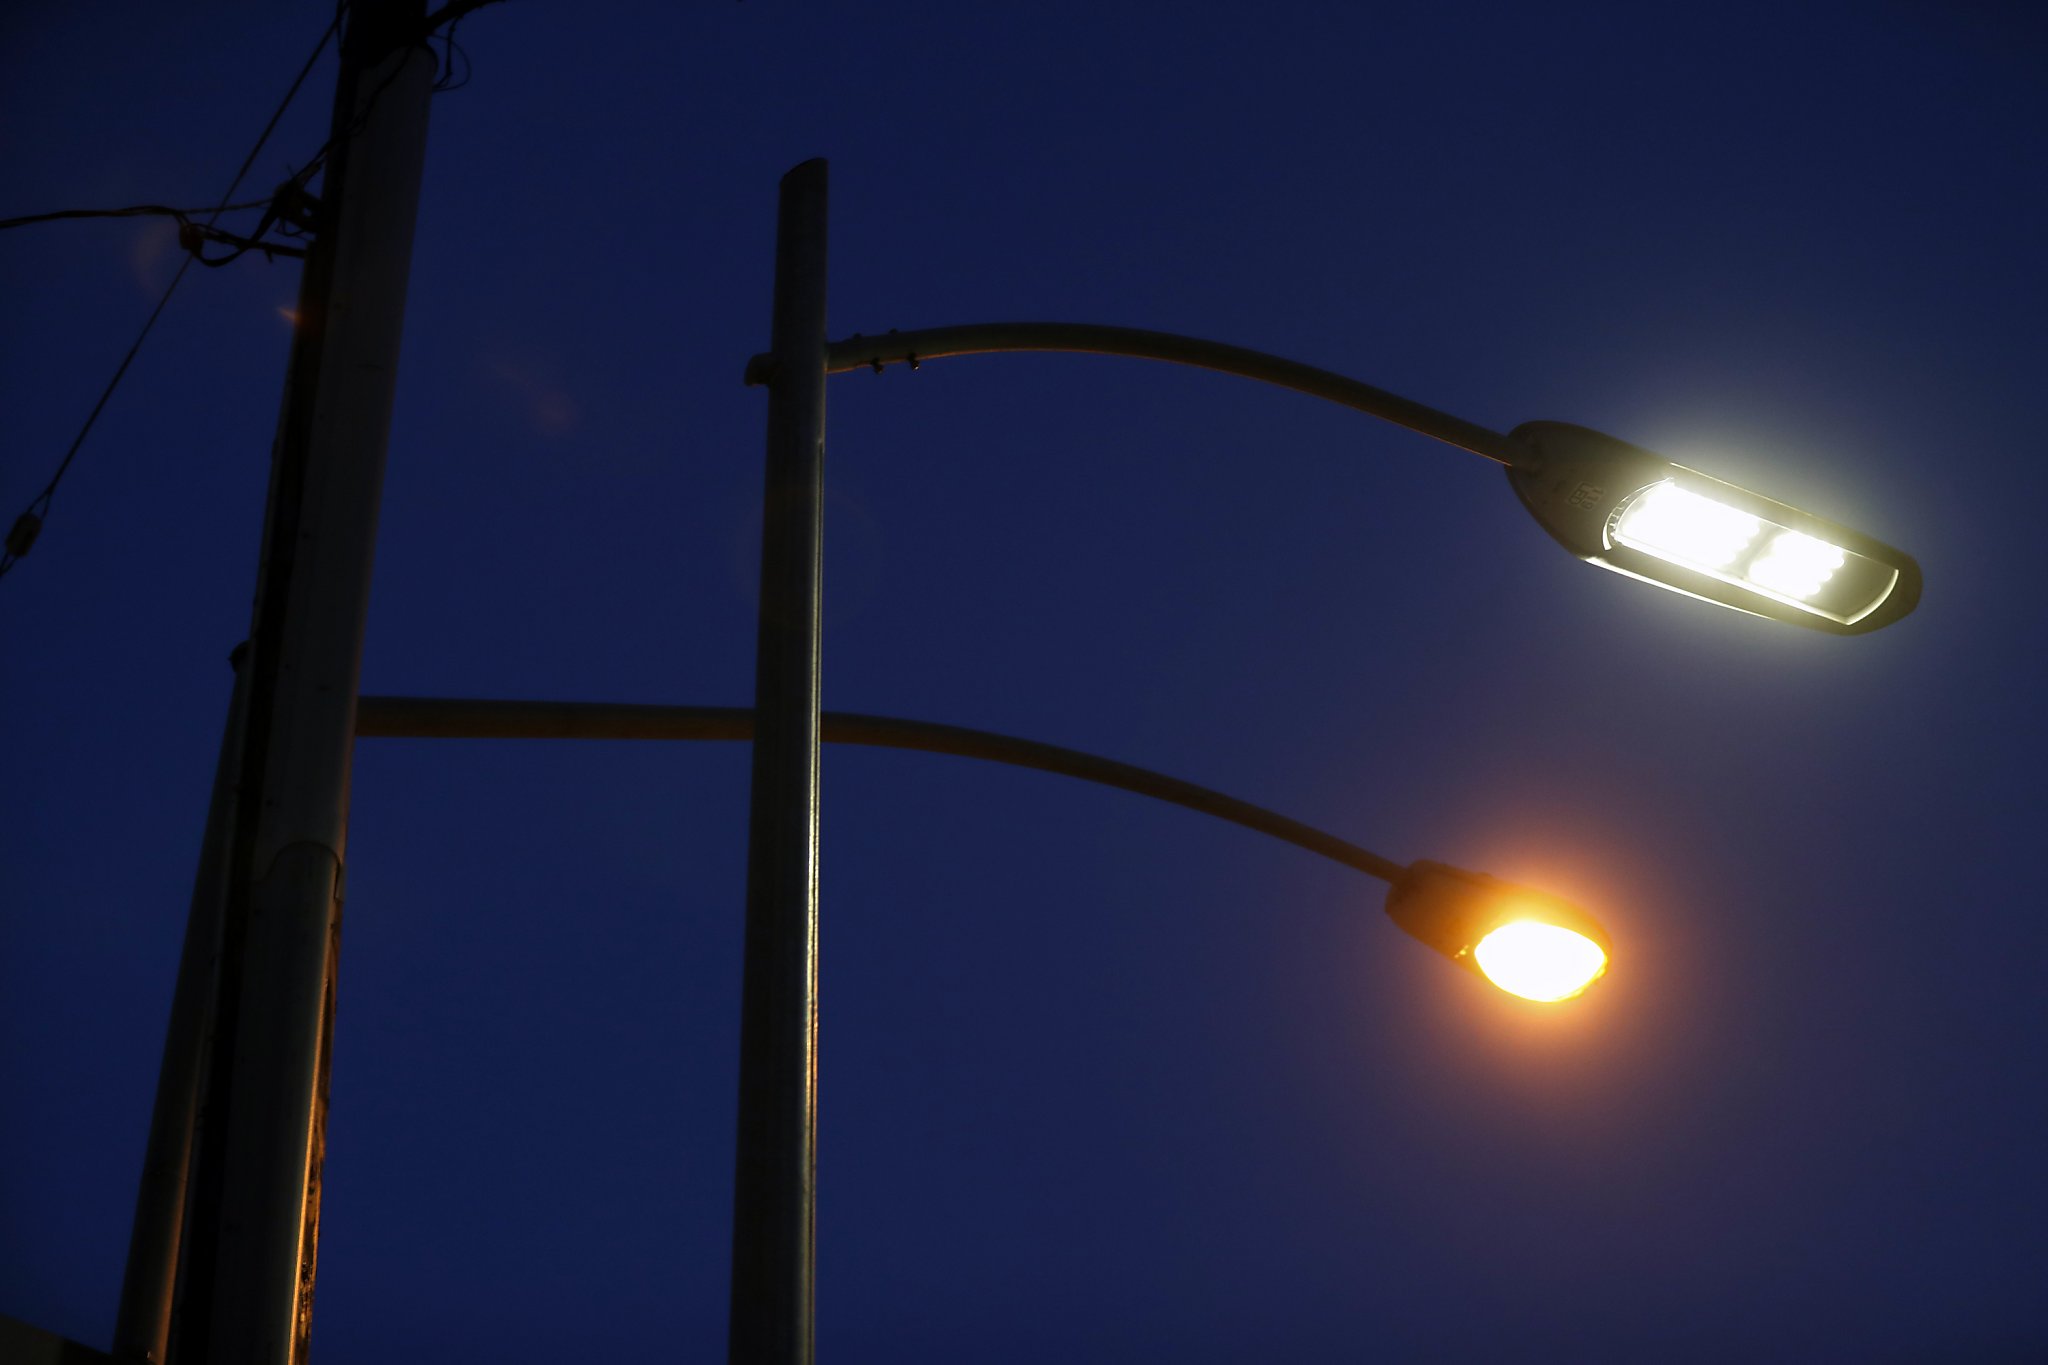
x=461, y=718
x=1447, y=908
x=982, y=338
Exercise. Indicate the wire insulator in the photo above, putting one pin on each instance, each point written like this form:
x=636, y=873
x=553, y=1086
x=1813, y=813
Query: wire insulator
x=23, y=534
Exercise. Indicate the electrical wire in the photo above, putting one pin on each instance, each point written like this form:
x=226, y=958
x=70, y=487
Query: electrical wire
x=445, y=79
x=193, y=236
x=133, y=211
x=22, y=534
x=454, y=12
x=452, y=52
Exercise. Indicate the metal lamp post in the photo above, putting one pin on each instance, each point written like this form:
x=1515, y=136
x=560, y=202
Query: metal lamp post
x=774, y=1196
x=1607, y=502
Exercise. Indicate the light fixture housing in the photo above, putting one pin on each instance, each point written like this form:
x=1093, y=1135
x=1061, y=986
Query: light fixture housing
x=1631, y=510
x=1455, y=912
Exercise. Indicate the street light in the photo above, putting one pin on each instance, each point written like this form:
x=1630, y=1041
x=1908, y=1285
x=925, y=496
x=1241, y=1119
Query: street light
x=1624, y=508
x=1527, y=942
x=1606, y=501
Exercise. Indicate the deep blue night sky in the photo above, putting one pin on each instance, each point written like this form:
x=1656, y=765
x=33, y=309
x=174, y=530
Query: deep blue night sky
x=1102, y=1080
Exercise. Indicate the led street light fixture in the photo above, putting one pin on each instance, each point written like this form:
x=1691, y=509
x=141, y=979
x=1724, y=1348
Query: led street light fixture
x=1626, y=509
x=1526, y=942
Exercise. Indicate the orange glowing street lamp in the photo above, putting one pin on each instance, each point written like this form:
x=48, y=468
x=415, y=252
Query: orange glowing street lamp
x=1527, y=942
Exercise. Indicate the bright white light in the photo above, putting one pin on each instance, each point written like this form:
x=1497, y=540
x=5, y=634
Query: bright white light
x=1796, y=564
x=1750, y=552
x=1674, y=523
x=1539, y=961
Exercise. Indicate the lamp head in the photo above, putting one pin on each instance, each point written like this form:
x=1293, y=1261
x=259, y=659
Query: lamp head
x=1624, y=508
x=1526, y=942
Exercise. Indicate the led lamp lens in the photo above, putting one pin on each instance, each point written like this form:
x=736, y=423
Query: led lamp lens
x=1683, y=527
x=1672, y=523
x=1539, y=961
x=1796, y=564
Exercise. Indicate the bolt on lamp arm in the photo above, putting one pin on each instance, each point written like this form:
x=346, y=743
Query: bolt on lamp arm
x=982, y=338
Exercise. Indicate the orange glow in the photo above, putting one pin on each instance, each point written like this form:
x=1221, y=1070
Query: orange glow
x=1540, y=961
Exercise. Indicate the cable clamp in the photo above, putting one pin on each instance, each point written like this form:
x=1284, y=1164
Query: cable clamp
x=23, y=534
x=295, y=204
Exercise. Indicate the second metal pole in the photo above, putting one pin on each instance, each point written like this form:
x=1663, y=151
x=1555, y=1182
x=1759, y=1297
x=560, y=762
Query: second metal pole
x=774, y=1188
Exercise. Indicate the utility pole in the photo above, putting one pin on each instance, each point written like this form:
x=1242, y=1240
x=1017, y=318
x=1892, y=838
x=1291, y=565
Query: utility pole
x=246, y=1259
x=775, y=1180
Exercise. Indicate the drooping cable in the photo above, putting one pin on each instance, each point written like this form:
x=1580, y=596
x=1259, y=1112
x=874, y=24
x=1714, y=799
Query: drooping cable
x=281, y=213
x=132, y=211
x=192, y=236
x=22, y=534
